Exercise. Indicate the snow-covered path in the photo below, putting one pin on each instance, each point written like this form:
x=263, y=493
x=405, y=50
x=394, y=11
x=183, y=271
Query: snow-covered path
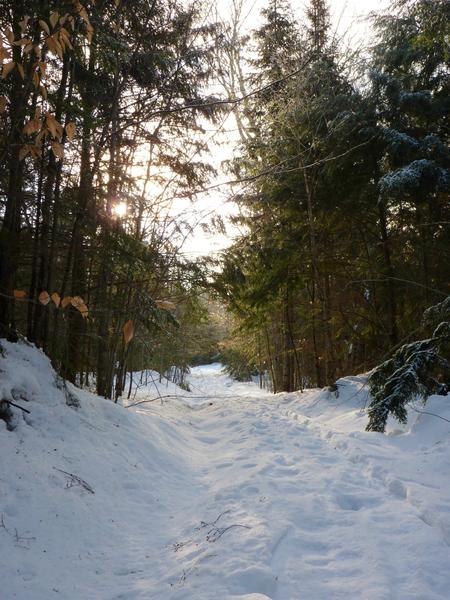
x=233, y=494
x=306, y=518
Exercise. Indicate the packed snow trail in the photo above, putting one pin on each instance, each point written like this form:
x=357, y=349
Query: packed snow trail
x=234, y=494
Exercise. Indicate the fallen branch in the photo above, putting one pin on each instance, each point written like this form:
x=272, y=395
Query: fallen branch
x=17, y=406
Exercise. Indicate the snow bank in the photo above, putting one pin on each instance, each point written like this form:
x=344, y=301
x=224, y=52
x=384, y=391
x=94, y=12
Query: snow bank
x=224, y=493
x=82, y=491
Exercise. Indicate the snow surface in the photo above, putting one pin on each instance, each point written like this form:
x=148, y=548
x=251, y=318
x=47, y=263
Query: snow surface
x=224, y=493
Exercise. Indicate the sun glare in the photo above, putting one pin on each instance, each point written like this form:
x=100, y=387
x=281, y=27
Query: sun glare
x=120, y=209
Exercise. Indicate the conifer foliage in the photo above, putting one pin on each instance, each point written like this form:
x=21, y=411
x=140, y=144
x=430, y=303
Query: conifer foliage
x=415, y=371
x=344, y=205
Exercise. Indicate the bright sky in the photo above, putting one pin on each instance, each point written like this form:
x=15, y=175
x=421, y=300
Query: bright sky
x=349, y=19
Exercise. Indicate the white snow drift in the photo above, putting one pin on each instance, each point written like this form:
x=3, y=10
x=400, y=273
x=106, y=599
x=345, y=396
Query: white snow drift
x=226, y=492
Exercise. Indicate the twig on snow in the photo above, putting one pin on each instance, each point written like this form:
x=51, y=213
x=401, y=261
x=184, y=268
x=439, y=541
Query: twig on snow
x=17, y=406
x=216, y=533
x=74, y=480
x=19, y=539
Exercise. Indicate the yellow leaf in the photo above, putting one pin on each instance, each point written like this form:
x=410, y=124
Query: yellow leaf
x=58, y=150
x=19, y=294
x=128, y=332
x=44, y=298
x=7, y=69
x=56, y=298
x=70, y=130
x=66, y=301
x=44, y=27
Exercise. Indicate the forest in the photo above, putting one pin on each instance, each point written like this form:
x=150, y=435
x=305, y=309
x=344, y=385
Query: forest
x=340, y=178
x=224, y=300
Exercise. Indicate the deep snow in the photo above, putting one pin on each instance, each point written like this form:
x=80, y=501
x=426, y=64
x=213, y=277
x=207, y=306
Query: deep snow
x=224, y=493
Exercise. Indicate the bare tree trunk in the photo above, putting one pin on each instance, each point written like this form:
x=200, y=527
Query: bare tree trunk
x=10, y=231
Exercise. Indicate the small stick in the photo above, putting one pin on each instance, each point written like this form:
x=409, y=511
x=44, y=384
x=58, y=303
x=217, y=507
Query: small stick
x=17, y=406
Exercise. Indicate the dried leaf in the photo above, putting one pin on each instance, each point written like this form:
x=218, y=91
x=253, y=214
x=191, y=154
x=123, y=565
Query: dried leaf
x=7, y=69
x=26, y=149
x=23, y=24
x=83, y=14
x=128, y=332
x=51, y=45
x=19, y=294
x=56, y=299
x=83, y=310
x=43, y=91
x=77, y=301
x=44, y=27
x=35, y=151
x=32, y=126
x=66, y=301
x=38, y=139
x=51, y=124
x=10, y=35
x=59, y=49
x=44, y=298
x=4, y=54
x=2, y=104
x=64, y=36
x=54, y=18
x=21, y=42
x=70, y=130
x=58, y=150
